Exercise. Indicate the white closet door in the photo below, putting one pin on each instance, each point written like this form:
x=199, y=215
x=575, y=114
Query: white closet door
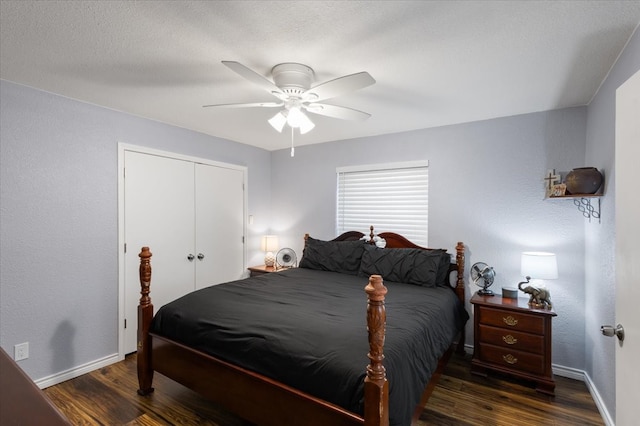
x=159, y=213
x=219, y=224
x=627, y=211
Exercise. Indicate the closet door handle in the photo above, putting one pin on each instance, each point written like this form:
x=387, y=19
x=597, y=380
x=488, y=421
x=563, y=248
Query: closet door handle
x=190, y=257
x=200, y=256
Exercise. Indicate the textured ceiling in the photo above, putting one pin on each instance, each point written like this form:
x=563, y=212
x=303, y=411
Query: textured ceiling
x=435, y=62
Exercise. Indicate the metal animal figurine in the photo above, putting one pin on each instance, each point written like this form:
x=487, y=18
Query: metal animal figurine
x=538, y=297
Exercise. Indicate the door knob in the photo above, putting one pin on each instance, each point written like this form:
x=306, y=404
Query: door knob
x=200, y=256
x=190, y=257
x=610, y=331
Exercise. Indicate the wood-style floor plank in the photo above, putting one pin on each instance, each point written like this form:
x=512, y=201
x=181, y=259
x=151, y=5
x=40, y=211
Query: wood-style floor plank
x=108, y=397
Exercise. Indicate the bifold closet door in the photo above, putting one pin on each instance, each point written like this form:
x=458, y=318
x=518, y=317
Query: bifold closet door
x=159, y=213
x=219, y=230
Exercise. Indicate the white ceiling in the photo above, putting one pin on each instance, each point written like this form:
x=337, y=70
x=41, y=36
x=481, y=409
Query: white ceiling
x=435, y=62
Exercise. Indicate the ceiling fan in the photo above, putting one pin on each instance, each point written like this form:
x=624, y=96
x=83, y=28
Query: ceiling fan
x=292, y=86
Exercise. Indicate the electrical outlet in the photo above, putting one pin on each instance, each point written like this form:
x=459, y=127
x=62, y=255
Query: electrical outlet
x=21, y=351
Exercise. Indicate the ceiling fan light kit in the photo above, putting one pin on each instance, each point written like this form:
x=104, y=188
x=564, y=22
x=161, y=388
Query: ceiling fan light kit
x=278, y=121
x=292, y=86
x=298, y=119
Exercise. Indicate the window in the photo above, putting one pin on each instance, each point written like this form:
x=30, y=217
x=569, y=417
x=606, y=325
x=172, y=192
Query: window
x=391, y=197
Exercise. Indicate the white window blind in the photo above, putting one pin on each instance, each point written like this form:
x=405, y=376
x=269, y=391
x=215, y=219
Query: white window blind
x=391, y=197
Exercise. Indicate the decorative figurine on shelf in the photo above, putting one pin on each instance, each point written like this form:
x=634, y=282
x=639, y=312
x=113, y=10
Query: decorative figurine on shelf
x=552, y=182
x=539, y=297
x=558, y=190
x=584, y=180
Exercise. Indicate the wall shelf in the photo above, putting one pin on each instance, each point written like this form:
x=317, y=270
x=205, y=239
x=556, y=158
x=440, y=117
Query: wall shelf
x=588, y=204
x=583, y=178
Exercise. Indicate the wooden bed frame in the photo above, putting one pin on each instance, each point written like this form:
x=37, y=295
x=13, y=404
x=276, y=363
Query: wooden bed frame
x=262, y=400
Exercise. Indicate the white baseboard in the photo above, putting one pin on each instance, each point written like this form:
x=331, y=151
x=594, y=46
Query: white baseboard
x=606, y=416
x=74, y=372
x=581, y=375
x=568, y=372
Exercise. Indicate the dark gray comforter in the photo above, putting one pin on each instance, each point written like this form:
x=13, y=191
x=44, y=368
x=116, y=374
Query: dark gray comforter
x=307, y=329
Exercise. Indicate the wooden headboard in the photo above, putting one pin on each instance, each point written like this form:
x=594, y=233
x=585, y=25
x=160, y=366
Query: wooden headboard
x=394, y=240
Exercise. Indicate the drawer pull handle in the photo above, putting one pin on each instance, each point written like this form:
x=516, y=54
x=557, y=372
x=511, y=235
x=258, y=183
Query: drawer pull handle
x=510, y=359
x=510, y=320
x=509, y=339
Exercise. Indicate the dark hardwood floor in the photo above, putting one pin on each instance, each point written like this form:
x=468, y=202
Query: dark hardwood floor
x=108, y=397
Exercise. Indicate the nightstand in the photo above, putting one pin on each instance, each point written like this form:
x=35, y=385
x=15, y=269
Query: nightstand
x=254, y=271
x=512, y=337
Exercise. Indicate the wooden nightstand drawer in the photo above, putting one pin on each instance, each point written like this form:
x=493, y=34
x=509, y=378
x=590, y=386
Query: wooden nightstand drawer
x=512, y=359
x=512, y=339
x=512, y=320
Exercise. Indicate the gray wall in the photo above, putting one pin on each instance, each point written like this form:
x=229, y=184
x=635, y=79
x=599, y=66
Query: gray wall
x=485, y=189
x=600, y=241
x=59, y=204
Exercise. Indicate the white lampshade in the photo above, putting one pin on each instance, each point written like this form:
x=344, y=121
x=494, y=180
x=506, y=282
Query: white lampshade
x=306, y=124
x=298, y=119
x=278, y=121
x=539, y=265
x=269, y=243
x=295, y=117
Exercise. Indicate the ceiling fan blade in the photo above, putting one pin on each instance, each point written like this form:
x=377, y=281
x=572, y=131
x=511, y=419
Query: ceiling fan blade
x=334, y=111
x=338, y=86
x=249, y=105
x=255, y=78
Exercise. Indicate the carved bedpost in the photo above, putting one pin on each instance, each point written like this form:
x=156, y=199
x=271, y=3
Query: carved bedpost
x=376, y=387
x=371, y=234
x=460, y=290
x=145, y=315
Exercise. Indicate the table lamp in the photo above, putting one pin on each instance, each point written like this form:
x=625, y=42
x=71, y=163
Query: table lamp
x=538, y=266
x=269, y=245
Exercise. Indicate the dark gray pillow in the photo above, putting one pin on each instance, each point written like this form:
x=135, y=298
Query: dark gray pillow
x=405, y=265
x=334, y=256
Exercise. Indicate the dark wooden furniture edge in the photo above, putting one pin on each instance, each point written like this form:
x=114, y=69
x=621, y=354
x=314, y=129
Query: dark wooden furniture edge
x=256, y=398
x=22, y=401
x=265, y=401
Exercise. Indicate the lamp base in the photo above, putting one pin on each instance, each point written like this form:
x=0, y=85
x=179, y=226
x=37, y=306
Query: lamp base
x=269, y=259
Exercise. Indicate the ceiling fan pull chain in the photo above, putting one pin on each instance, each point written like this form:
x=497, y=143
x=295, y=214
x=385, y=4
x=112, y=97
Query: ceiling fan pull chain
x=292, y=148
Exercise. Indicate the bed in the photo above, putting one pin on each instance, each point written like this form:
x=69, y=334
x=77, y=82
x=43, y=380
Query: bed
x=291, y=347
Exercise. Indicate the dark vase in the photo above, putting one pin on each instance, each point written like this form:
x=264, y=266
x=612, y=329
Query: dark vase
x=584, y=180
